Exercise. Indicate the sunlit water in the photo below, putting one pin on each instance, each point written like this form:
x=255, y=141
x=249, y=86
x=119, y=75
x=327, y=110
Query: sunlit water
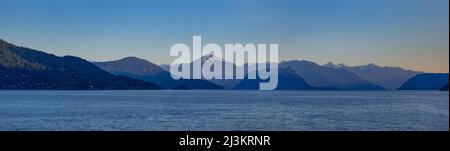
x=224, y=110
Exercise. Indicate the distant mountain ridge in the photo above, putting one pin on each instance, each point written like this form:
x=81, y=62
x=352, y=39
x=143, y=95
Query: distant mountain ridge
x=327, y=77
x=133, y=65
x=25, y=68
x=144, y=70
x=391, y=78
x=136, y=68
x=226, y=83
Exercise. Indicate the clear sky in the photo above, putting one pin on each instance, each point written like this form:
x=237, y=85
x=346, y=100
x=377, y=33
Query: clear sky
x=412, y=34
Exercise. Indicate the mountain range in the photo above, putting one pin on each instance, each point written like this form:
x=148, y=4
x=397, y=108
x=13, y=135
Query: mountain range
x=390, y=78
x=326, y=77
x=314, y=76
x=144, y=70
x=25, y=68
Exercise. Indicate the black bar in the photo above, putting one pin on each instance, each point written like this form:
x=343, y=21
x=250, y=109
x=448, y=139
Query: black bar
x=169, y=140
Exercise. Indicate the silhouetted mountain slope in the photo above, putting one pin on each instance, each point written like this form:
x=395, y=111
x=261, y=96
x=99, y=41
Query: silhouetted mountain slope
x=390, y=78
x=444, y=88
x=287, y=80
x=133, y=65
x=24, y=68
x=326, y=77
x=147, y=71
x=136, y=68
x=426, y=81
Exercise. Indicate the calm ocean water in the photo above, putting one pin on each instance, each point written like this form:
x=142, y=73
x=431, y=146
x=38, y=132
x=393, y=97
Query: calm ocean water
x=224, y=110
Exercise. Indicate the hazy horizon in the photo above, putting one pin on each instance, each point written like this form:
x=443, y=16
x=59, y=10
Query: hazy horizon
x=411, y=34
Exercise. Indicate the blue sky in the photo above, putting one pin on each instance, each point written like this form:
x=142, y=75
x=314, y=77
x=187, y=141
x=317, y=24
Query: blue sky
x=413, y=34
